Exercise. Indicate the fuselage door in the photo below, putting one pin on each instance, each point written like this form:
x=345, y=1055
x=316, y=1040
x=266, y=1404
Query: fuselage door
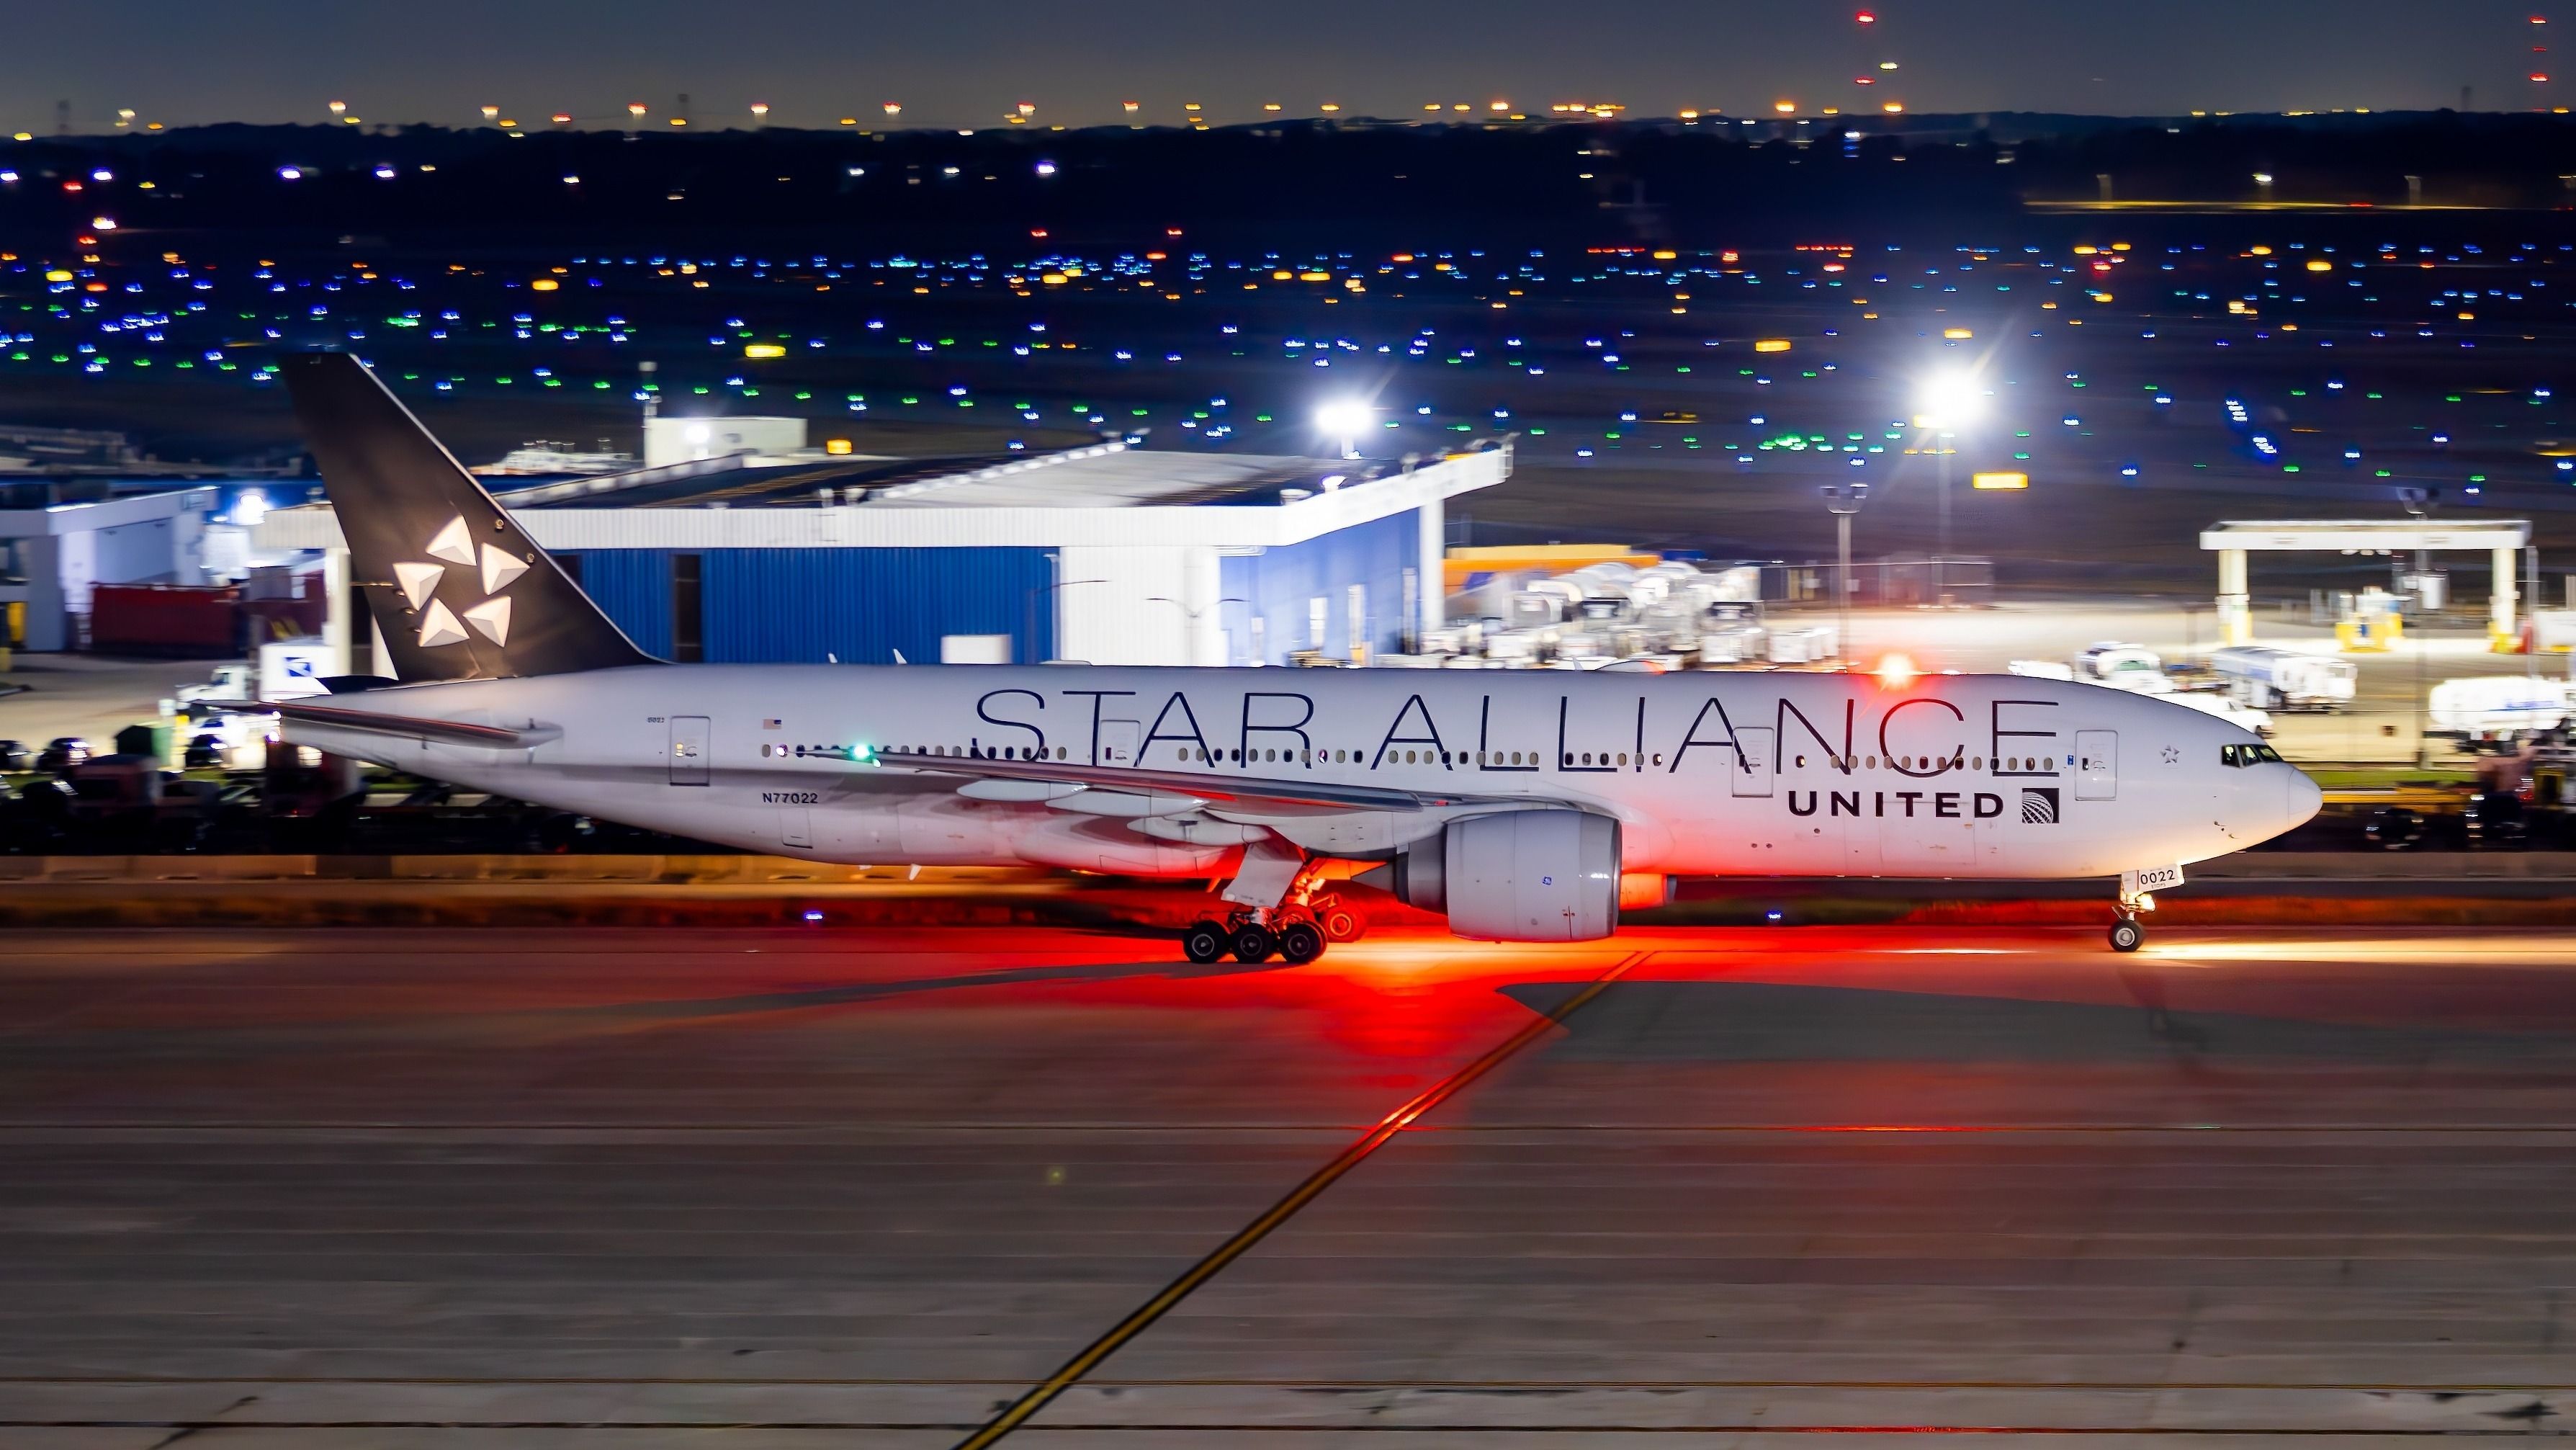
x=689, y=749
x=1118, y=741
x=1752, y=772
x=2097, y=765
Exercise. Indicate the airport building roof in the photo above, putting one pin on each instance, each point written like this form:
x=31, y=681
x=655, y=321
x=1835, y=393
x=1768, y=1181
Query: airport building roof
x=1100, y=475
x=1105, y=494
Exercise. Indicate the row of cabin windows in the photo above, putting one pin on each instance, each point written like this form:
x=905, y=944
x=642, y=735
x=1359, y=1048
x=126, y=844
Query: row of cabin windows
x=2023, y=764
x=1192, y=755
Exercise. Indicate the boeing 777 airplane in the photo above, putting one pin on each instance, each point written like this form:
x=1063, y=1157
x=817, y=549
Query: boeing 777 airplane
x=1522, y=806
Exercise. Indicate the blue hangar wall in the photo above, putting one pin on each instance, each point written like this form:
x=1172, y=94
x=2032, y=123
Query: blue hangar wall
x=1280, y=586
x=796, y=606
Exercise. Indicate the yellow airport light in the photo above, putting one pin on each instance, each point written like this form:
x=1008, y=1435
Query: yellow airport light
x=764, y=349
x=2004, y=482
x=1958, y=334
x=1772, y=344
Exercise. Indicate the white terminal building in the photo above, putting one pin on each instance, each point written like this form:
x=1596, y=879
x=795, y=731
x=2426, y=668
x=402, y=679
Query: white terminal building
x=737, y=543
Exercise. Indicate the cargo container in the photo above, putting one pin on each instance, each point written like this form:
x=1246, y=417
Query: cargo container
x=165, y=619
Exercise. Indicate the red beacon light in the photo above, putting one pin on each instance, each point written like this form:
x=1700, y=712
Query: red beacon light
x=1896, y=671
x=1870, y=18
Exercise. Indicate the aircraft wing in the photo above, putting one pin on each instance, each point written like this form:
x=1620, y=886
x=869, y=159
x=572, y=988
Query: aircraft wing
x=1212, y=784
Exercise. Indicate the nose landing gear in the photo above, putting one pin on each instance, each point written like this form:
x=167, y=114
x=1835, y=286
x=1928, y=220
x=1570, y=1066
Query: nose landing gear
x=2137, y=890
x=2126, y=934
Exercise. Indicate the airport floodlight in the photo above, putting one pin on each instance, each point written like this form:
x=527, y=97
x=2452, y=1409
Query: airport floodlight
x=1344, y=422
x=1949, y=400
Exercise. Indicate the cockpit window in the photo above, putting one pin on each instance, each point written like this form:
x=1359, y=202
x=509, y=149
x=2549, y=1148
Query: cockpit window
x=2244, y=755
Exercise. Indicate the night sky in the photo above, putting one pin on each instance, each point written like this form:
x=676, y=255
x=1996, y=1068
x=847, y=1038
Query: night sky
x=184, y=62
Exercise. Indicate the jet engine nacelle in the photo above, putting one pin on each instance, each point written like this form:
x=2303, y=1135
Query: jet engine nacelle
x=1541, y=875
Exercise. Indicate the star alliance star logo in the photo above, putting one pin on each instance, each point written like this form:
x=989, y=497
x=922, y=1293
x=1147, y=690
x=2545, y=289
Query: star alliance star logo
x=2173, y=755
x=440, y=625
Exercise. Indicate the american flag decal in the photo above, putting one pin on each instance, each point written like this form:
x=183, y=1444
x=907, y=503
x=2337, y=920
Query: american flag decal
x=2039, y=805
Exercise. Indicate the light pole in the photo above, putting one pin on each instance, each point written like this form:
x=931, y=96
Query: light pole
x=1950, y=400
x=1044, y=649
x=1195, y=615
x=1842, y=503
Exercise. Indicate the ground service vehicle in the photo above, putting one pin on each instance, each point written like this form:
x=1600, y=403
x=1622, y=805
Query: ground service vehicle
x=2264, y=678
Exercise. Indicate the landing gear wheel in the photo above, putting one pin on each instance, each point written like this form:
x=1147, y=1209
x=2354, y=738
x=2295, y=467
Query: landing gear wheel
x=1339, y=922
x=1253, y=943
x=2127, y=935
x=1300, y=942
x=1204, y=942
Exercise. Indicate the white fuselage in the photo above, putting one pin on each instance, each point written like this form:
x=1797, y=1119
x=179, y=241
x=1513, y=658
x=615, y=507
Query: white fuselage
x=1778, y=774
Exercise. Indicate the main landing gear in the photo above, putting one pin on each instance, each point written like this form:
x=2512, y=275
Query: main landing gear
x=1291, y=933
x=1304, y=918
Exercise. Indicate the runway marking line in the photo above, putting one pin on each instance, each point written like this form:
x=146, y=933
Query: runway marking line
x=1090, y=1357
x=868, y=1382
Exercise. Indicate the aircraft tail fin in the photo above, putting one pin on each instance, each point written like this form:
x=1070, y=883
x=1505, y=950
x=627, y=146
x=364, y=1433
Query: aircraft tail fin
x=458, y=588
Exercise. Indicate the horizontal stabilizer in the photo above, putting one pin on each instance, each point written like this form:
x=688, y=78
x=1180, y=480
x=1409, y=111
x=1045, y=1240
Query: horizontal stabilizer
x=443, y=732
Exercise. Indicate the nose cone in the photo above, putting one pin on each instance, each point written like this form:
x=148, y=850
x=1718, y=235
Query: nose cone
x=2303, y=799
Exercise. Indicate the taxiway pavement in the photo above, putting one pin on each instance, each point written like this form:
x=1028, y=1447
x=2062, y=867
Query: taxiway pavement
x=542, y=1188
